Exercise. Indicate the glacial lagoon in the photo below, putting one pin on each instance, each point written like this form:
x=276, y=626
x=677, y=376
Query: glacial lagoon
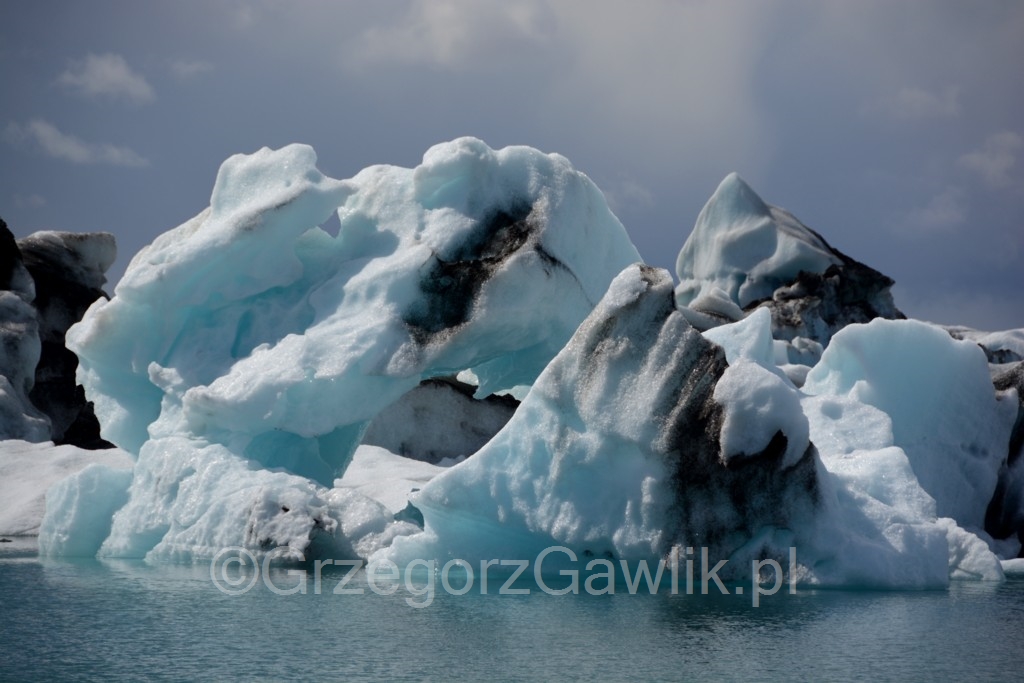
x=90, y=620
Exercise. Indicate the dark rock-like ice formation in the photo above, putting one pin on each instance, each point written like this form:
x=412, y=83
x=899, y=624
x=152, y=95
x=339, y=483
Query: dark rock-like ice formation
x=47, y=282
x=1000, y=348
x=1005, y=515
x=19, y=347
x=439, y=419
x=68, y=270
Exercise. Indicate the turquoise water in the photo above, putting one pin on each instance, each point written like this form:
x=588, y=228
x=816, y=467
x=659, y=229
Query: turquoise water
x=128, y=620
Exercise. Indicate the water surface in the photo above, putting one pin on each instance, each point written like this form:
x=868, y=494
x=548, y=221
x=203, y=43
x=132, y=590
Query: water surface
x=86, y=620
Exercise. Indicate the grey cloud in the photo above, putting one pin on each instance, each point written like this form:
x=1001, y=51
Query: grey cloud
x=60, y=145
x=446, y=33
x=32, y=201
x=911, y=103
x=107, y=75
x=996, y=158
x=944, y=212
x=183, y=69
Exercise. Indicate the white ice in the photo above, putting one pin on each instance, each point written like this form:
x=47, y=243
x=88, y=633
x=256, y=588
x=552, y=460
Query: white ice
x=936, y=394
x=386, y=477
x=28, y=470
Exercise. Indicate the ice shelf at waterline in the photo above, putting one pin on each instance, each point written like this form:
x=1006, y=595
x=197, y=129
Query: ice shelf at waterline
x=775, y=398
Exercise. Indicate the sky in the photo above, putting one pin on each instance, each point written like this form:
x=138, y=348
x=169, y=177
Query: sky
x=895, y=129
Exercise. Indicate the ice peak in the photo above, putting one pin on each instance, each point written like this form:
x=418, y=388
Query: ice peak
x=746, y=248
x=733, y=199
x=744, y=253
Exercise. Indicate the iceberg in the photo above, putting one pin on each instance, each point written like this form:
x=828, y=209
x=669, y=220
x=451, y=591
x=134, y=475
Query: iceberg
x=79, y=510
x=1001, y=348
x=744, y=253
x=641, y=436
x=441, y=419
x=388, y=478
x=617, y=451
x=47, y=281
x=28, y=470
x=350, y=395
x=245, y=353
x=19, y=347
x=68, y=270
x=951, y=424
x=1004, y=518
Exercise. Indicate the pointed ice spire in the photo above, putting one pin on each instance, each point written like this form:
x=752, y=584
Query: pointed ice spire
x=744, y=253
x=734, y=199
x=746, y=248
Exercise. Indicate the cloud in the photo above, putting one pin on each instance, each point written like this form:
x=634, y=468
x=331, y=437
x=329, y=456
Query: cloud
x=666, y=80
x=184, y=69
x=60, y=145
x=32, y=201
x=628, y=193
x=944, y=212
x=632, y=79
x=107, y=75
x=996, y=158
x=447, y=33
x=243, y=17
x=913, y=104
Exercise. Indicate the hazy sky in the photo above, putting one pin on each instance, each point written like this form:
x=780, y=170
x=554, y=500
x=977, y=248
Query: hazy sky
x=896, y=129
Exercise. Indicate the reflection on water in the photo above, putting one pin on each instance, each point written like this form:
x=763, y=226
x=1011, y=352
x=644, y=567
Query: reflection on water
x=88, y=619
